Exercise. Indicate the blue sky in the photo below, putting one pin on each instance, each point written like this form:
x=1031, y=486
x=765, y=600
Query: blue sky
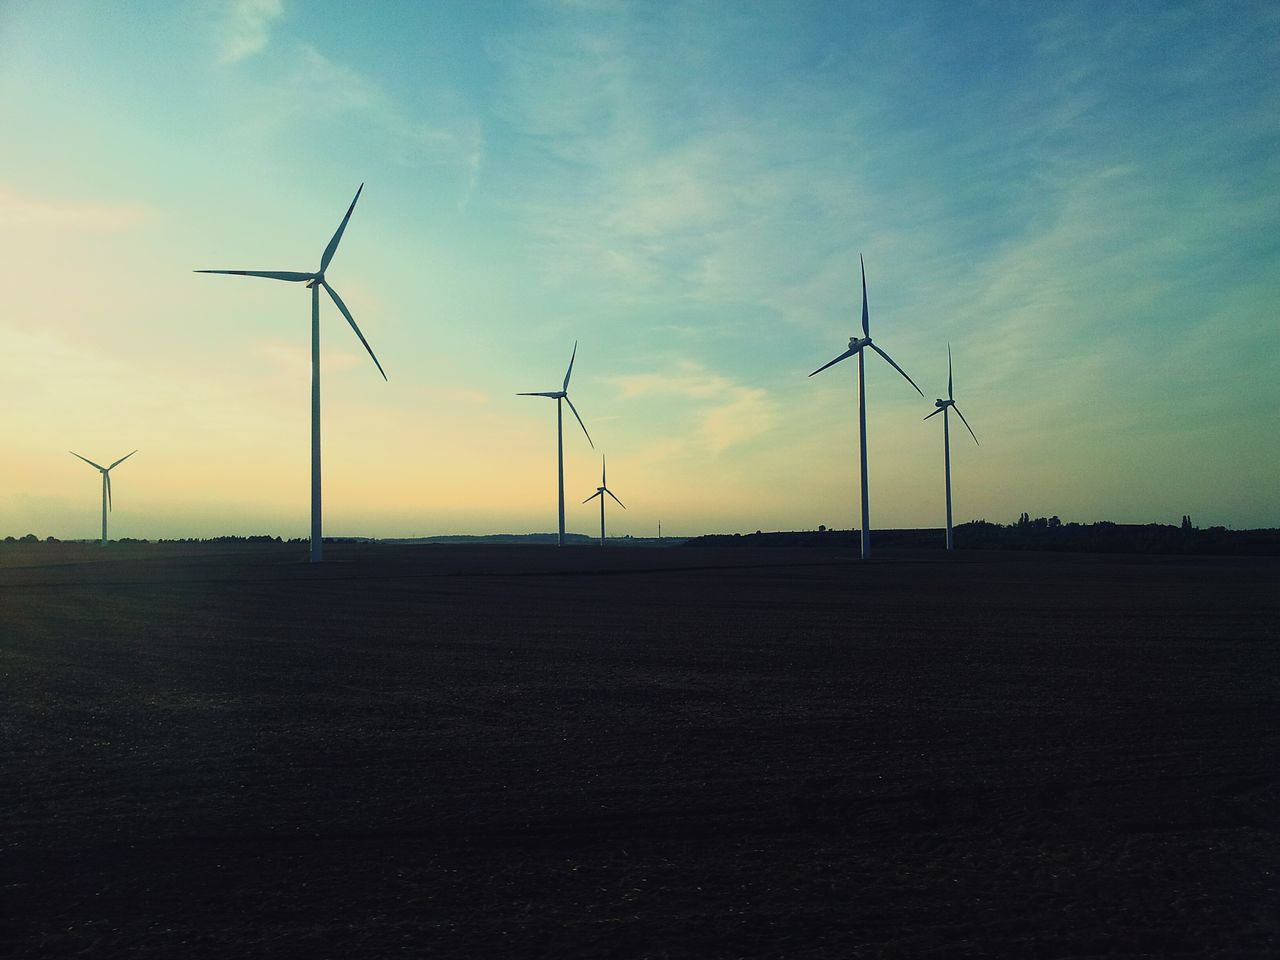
x=1080, y=198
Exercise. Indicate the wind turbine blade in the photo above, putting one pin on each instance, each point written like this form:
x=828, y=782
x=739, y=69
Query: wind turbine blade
x=333, y=244
x=86, y=460
x=352, y=320
x=935, y=413
x=603, y=465
x=580, y=423
x=896, y=367
x=552, y=395
x=616, y=500
x=592, y=497
x=831, y=363
x=290, y=275
x=110, y=508
x=866, y=326
x=966, y=423
x=121, y=460
x=950, y=394
x=570, y=370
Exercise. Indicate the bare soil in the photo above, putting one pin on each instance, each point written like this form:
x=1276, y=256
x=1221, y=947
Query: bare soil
x=456, y=751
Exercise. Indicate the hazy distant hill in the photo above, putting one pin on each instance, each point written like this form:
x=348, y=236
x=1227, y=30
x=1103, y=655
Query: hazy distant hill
x=538, y=538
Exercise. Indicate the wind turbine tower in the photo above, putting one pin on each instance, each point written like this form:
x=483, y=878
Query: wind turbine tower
x=943, y=406
x=557, y=396
x=315, y=281
x=600, y=492
x=857, y=345
x=106, y=485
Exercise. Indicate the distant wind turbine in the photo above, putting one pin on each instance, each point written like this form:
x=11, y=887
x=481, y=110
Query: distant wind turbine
x=856, y=345
x=557, y=396
x=315, y=281
x=106, y=484
x=942, y=406
x=600, y=492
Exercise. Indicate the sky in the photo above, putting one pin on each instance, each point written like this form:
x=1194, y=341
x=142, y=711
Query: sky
x=1082, y=199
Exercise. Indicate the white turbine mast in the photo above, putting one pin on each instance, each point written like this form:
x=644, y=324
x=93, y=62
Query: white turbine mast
x=857, y=345
x=557, y=396
x=315, y=281
x=600, y=492
x=106, y=485
x=943, y=406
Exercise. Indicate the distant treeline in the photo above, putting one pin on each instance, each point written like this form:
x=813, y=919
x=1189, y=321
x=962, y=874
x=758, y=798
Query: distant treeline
x=1040, y=533
x=1049, y=533
x=260, y=538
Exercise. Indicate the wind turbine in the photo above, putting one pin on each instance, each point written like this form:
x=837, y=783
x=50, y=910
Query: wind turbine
x=942, y=406
x=557, y=396
x=106, y=485
x=315, y=281
x=856, y=345
x=600, y=492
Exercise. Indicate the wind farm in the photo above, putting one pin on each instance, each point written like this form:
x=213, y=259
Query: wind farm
x=740, y=714
x=745, y=727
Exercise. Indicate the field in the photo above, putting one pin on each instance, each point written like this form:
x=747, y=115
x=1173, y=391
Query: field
x=530, y=752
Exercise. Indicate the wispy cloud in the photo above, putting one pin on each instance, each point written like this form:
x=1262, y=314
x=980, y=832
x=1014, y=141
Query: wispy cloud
x=315, y=88
x=728, y=413
x=245, y=28
x=724, y=200
x=17, y=211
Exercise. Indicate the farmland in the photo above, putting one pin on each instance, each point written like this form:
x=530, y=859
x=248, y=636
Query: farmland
x=522, y=751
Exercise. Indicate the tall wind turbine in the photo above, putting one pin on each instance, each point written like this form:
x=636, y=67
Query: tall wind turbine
x=600, y=492
x=942, y=406
x=106, y=484
x=856, y=345
x=557, y=396
x=315, y=281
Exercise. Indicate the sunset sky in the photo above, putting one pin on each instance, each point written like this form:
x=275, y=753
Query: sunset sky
x=1083, y=199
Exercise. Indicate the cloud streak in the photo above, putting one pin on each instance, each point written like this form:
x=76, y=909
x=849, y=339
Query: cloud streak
x=317, y=89
x=245, y=28
x=728, y=413
x=17, y=212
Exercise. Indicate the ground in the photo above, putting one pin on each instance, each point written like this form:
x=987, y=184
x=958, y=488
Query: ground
x=528, y=752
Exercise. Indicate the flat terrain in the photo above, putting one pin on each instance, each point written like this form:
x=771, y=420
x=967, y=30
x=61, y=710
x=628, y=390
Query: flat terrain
x=530, y=752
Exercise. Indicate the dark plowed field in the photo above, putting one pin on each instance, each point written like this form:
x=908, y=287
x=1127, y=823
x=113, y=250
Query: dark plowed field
x=525, y=752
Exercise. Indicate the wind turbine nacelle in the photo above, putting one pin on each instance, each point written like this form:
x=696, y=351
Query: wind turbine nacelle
x=318, y=279
x=940, y=403
x=857, y=343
